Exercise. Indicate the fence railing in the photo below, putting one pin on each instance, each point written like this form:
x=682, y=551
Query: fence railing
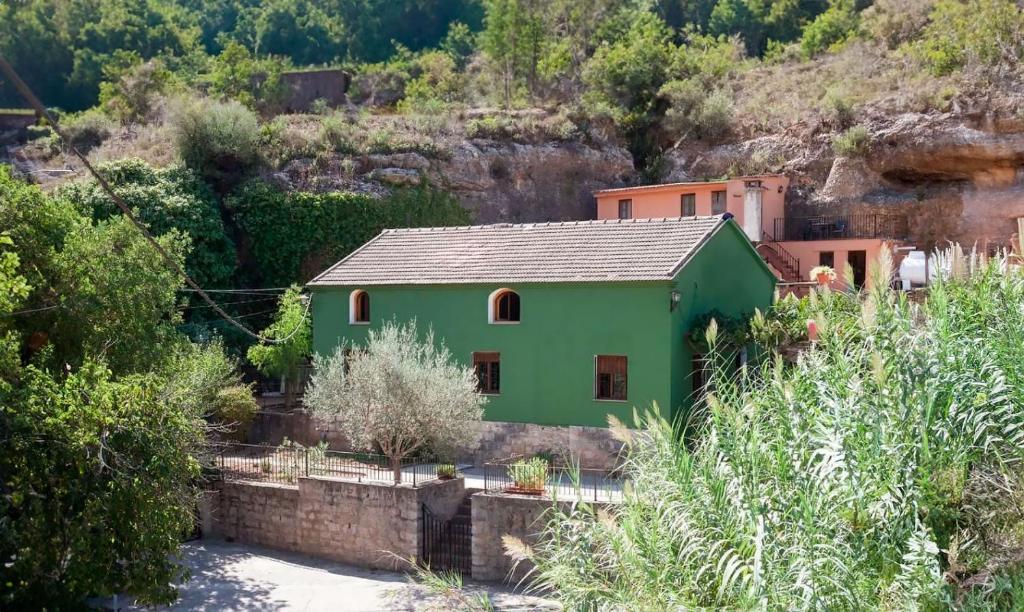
x=830, y=227
x=787, y=259
x=563, y=482
x=286, y=464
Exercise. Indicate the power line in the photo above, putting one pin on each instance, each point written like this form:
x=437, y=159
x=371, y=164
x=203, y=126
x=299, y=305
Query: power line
x=21, y=312
x=266, y=299
x=34, y=102
x=243, y=291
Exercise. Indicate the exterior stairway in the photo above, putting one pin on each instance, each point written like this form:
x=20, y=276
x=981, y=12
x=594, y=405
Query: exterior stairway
x=780, y=259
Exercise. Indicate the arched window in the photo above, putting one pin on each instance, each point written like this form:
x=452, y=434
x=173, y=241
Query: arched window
x=503, y=306
x=359, y=307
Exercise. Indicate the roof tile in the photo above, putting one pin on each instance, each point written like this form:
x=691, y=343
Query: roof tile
x=574, y=251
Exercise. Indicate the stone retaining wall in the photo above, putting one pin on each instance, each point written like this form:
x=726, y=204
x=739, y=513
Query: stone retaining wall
x=496, y=515
x=592, y=447
x=342, y=520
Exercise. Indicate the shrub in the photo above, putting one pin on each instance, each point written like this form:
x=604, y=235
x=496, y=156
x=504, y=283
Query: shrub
x=829, y=28
x=338, y=135
x=838, y=108
x=978, y=33
x=494, y=127
x=853, y=142
x=446, y=471
x=693, y=113
x=218, y=140
x=87, y=129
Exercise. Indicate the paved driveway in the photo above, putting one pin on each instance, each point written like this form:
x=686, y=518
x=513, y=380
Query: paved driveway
x=235, y=577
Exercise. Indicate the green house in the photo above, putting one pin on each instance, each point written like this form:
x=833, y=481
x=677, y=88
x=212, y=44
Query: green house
x=564, y=322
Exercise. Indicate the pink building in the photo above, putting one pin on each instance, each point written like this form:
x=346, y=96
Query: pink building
x=790, y=245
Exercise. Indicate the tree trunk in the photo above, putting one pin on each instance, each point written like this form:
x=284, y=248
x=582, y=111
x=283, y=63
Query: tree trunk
x=396, y=466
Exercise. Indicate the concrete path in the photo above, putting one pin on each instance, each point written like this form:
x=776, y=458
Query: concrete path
x=236, y=577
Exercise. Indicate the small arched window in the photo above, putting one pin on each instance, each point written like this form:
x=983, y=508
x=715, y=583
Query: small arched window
x=359, y=307
x=504, y=306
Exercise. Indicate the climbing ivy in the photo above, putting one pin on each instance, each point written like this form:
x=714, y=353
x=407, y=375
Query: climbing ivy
x=292, y=236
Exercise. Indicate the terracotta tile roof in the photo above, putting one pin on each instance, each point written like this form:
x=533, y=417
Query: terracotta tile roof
x=580, y=251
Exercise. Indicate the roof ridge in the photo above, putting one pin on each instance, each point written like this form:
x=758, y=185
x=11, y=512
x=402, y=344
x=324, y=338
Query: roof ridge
x=538, y=224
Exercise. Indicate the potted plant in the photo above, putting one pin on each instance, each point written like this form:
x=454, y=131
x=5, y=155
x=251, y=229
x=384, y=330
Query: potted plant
x=824, y=275
x=445, y=471
x=528, y=477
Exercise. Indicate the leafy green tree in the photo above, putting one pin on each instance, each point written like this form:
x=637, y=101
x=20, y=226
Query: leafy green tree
x=236, y=74
x=829, y=28
x=514, y=38
x=218, y=140
x=294, y=328
x=174, y=198
x=380, y=396
x=978, y=33
x=99, y=488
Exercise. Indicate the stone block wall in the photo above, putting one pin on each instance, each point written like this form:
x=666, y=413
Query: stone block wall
x=343, y=520
x=496, y=515
x=591, y=447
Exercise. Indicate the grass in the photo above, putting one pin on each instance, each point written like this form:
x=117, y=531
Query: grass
x=880, y=471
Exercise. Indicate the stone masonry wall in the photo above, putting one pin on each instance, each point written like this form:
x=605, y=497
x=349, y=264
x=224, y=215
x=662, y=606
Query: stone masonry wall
x=592, y=447
x=347, y=521
x=496, y=515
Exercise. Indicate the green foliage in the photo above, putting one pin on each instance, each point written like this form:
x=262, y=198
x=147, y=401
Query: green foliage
x=218, y=140
x=694, y=112
x=99, y=491
x=830, y=28
x=853, y=142
x=531, y=474
x=87, y=130
x=294, y=329
x=132, y=95
x=978, y=33
x=889, y=454
x=235, y=74
x=437, y=86
x=446, y=471
x=294, y=235
x=169, y=199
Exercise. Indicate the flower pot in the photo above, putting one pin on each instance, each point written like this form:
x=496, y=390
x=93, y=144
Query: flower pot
x=524, y=491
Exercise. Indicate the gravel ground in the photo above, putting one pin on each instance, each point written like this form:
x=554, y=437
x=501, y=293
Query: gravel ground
x=228, y=576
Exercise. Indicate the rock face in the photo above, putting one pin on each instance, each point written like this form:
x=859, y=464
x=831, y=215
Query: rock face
x=956, y=176
x=496, y=181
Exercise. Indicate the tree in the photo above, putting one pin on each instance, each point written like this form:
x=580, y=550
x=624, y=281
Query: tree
x=398, y=393
x=286, y=359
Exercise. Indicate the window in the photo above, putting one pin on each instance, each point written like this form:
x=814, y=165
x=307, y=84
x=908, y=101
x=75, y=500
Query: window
x=625, y=209
x=488, y=372
x=827, y=258
x=610, y=379
x=359, y=307
x=504, y=306
x=688, y=205
x=717, y=202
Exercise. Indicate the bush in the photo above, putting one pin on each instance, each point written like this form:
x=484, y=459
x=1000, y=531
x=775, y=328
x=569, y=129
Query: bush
x=219, y=140
x=339, y=135
x=87, y=129
x=838, y=109
x=853, y=142
x=693, y=113
x=982, y=34
x=493, y=127
x=829, y=28
x=530, y=475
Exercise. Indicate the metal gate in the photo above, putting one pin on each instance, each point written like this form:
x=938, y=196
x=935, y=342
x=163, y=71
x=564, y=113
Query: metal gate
x=446, y=545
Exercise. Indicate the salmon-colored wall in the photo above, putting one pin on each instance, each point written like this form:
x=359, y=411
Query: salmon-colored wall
x=808, y=252
x=665, y=201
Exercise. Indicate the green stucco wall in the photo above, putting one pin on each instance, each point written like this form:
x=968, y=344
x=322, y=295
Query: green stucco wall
x=726, y=275
x=547, y=360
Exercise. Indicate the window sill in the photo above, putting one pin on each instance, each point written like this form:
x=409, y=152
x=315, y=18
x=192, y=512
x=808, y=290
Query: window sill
x=505, y=322
x=359, y=323
x=488, y=394
x=611, y=401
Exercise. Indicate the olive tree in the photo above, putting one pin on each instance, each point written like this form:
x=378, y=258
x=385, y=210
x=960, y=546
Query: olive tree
x=399, y=393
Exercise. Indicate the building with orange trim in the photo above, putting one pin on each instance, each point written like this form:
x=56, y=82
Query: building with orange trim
x=792, y=245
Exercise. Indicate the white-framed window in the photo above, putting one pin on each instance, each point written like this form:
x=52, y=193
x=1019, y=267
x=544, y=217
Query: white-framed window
x=503, y=306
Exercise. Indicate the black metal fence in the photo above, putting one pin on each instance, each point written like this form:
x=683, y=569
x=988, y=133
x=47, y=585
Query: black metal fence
x=563, y=482
x=446, y=545
x=287, y=463
x=831, y=227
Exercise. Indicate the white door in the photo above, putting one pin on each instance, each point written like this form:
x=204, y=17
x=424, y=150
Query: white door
x=752, y=211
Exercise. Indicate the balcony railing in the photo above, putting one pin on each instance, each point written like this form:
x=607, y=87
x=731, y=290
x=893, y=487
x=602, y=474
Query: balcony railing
x=834, y=227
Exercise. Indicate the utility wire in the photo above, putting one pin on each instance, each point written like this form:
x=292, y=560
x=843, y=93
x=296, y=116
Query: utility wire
x=34, y=102
x=21, y=312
